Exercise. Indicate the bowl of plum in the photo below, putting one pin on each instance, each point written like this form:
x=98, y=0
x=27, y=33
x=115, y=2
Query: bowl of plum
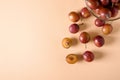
x=108, y=10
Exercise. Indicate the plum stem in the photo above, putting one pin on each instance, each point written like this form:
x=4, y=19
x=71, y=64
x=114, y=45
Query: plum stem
x=85, y=46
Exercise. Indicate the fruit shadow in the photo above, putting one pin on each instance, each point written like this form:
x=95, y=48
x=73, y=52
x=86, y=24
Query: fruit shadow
x=80, y=58
x=98, y=55
x=109, y=40
x=74, y=41
x=116, y=28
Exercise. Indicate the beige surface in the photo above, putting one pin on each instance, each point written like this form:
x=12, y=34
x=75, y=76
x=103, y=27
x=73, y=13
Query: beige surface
x=30, y=43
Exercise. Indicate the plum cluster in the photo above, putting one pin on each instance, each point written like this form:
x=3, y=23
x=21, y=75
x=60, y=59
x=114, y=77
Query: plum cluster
x=105, y=9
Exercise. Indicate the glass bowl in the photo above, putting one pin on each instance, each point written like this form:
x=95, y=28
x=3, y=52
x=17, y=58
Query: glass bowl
x=98, y=16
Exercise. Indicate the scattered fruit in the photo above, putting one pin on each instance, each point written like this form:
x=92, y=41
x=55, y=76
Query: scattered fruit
x=99, y=22
x=88, y=56
x=66, y=43
x=74, y=28
x=85, y=13
x=74, y=16
x=84, y=37
x=99, y=41
x=104, y=10
x=71, y=58
x=107, y=29
x=93, y=4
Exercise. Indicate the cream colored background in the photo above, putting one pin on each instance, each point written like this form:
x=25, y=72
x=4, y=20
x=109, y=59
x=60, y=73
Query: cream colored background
x=30, y=43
